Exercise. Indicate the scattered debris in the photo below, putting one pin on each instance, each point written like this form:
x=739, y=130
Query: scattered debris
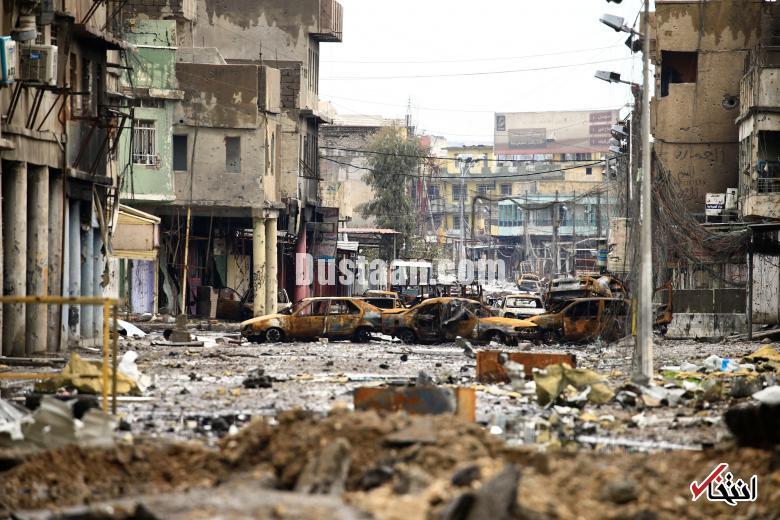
x=556, y=379
x=257, y=378
x=127, y=329
x=491, y=363
x=87, y=377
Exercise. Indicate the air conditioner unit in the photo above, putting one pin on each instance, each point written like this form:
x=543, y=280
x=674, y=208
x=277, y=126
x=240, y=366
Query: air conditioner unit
x=38, y=63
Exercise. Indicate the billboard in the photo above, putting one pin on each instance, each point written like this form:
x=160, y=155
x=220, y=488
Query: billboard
x=522, y=133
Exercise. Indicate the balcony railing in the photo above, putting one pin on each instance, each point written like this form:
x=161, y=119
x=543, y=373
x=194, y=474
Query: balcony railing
x=768, y=185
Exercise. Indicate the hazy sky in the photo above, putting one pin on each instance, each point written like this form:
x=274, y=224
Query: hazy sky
x=434, y=37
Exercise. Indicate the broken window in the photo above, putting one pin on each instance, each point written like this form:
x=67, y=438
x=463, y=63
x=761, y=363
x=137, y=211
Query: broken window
x=233, y=154
x=315, y=308
x=86, y=87
x=180, y=152
x=677, y=67
x=586, y=309
x=343, y=307
x=144, y=142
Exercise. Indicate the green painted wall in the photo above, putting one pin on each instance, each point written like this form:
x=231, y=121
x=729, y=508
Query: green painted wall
x=153, y=59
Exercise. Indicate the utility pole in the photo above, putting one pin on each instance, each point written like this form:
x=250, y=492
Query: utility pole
x=574, y=231
x=598, y=215
x=556, y=250
x=645, y=336
x=465, y=164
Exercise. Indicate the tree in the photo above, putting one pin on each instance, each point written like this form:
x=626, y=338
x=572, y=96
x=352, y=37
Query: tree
x=393, y=160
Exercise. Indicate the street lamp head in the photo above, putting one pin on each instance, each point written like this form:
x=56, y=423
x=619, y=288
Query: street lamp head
x=609, y=77
x=615, y=22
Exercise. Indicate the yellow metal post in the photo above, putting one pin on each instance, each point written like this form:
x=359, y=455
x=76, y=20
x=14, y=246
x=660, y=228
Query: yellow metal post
x=106, y=313
x=115, y=352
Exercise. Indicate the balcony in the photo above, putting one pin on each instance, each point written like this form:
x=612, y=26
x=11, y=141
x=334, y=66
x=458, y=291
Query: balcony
x=759, y=91
x=331, y=19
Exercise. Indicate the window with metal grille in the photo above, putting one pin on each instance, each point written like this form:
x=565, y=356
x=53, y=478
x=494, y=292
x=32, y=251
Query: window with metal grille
x=145, y=143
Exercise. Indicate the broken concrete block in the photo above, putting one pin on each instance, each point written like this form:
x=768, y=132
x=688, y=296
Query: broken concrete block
x=326, y=472
x=496, y=500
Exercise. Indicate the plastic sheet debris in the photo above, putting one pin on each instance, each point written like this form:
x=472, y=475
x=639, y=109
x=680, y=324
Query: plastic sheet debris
x=714, y=363
x=86, y=377
x=635, y=445
x=769, y=395
x=11, y=420
x=129, y=330
x=128, y=367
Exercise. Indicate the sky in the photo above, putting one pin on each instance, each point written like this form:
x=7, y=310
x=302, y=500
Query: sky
x=457, y=41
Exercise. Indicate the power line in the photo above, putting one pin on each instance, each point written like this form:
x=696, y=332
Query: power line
x=470, y=177
x=432, y=157
x=403, y=60
x=482, y=73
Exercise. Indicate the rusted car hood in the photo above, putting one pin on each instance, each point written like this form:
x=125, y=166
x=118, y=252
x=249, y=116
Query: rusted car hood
x=272, y=320
x=547, y=321
x=507, y=324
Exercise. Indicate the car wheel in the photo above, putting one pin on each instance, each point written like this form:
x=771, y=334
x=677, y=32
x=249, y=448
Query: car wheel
x=406, y=335
x=362, y=335
x=497, y=336
x=274, y=335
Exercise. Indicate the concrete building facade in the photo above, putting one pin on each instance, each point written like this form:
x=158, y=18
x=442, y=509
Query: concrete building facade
x=59, y=169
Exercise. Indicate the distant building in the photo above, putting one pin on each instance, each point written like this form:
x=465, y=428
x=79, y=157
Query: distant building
x=342, y=163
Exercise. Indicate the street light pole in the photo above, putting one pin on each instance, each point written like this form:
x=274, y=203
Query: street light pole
x=645, y=336
x=464, y=168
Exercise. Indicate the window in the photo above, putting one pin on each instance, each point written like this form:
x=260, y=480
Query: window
x=456, y=192
x=316, y=308
x=180, y=152
x=586, y=309
x=144, y=143
x=506, y=189
x=588, y=171
x=343, y=307
x=677, y=67
x=433, y=191
x=456, y=222
x=73, y=83
x=500, y=123
x=233, y=154
x=483, y=189
x=86, y=87
x=544, y=217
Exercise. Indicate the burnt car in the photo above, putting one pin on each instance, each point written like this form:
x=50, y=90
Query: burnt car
x=312, y=318
x=383, y=299
x=563, y=290
x=520, y=305
x=585, y=319
x=444, y=319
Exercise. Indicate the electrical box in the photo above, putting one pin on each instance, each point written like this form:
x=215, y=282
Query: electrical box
x=731, y=199
x=38, y=63
x=7, y=60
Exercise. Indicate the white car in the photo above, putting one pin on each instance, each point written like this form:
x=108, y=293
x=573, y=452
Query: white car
x=521, y=306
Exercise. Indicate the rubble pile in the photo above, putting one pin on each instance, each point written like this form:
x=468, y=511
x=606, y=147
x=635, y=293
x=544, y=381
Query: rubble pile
x=392, y=466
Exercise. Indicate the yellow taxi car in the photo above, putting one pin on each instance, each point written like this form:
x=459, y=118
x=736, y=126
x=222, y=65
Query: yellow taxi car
x=312, y=318
x=444, y=319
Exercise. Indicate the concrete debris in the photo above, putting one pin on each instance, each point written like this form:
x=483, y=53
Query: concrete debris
x=325, y=473
x=410, y=479
x=496, y=499
x=755, y=426
x=621, y=491
x=466, y=475
x=257, y=378
x=53, y=425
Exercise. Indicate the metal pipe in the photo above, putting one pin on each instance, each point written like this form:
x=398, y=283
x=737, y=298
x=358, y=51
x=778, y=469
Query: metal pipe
x=104, y=385
x=751, y=252
x=184, y=264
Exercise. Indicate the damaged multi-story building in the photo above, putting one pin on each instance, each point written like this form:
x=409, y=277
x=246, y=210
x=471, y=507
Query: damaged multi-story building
x=59, y=167
x=225, y=140
x=711, y=116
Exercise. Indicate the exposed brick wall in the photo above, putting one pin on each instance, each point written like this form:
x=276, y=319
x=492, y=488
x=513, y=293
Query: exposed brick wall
x=290, y=86
x=153, y=8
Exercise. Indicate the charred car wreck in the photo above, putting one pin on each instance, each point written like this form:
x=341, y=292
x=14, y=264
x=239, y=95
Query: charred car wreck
x=444, y=319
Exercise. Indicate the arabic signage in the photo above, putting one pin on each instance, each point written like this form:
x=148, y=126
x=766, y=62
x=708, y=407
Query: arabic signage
x=721, y=486
x=554, y=132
